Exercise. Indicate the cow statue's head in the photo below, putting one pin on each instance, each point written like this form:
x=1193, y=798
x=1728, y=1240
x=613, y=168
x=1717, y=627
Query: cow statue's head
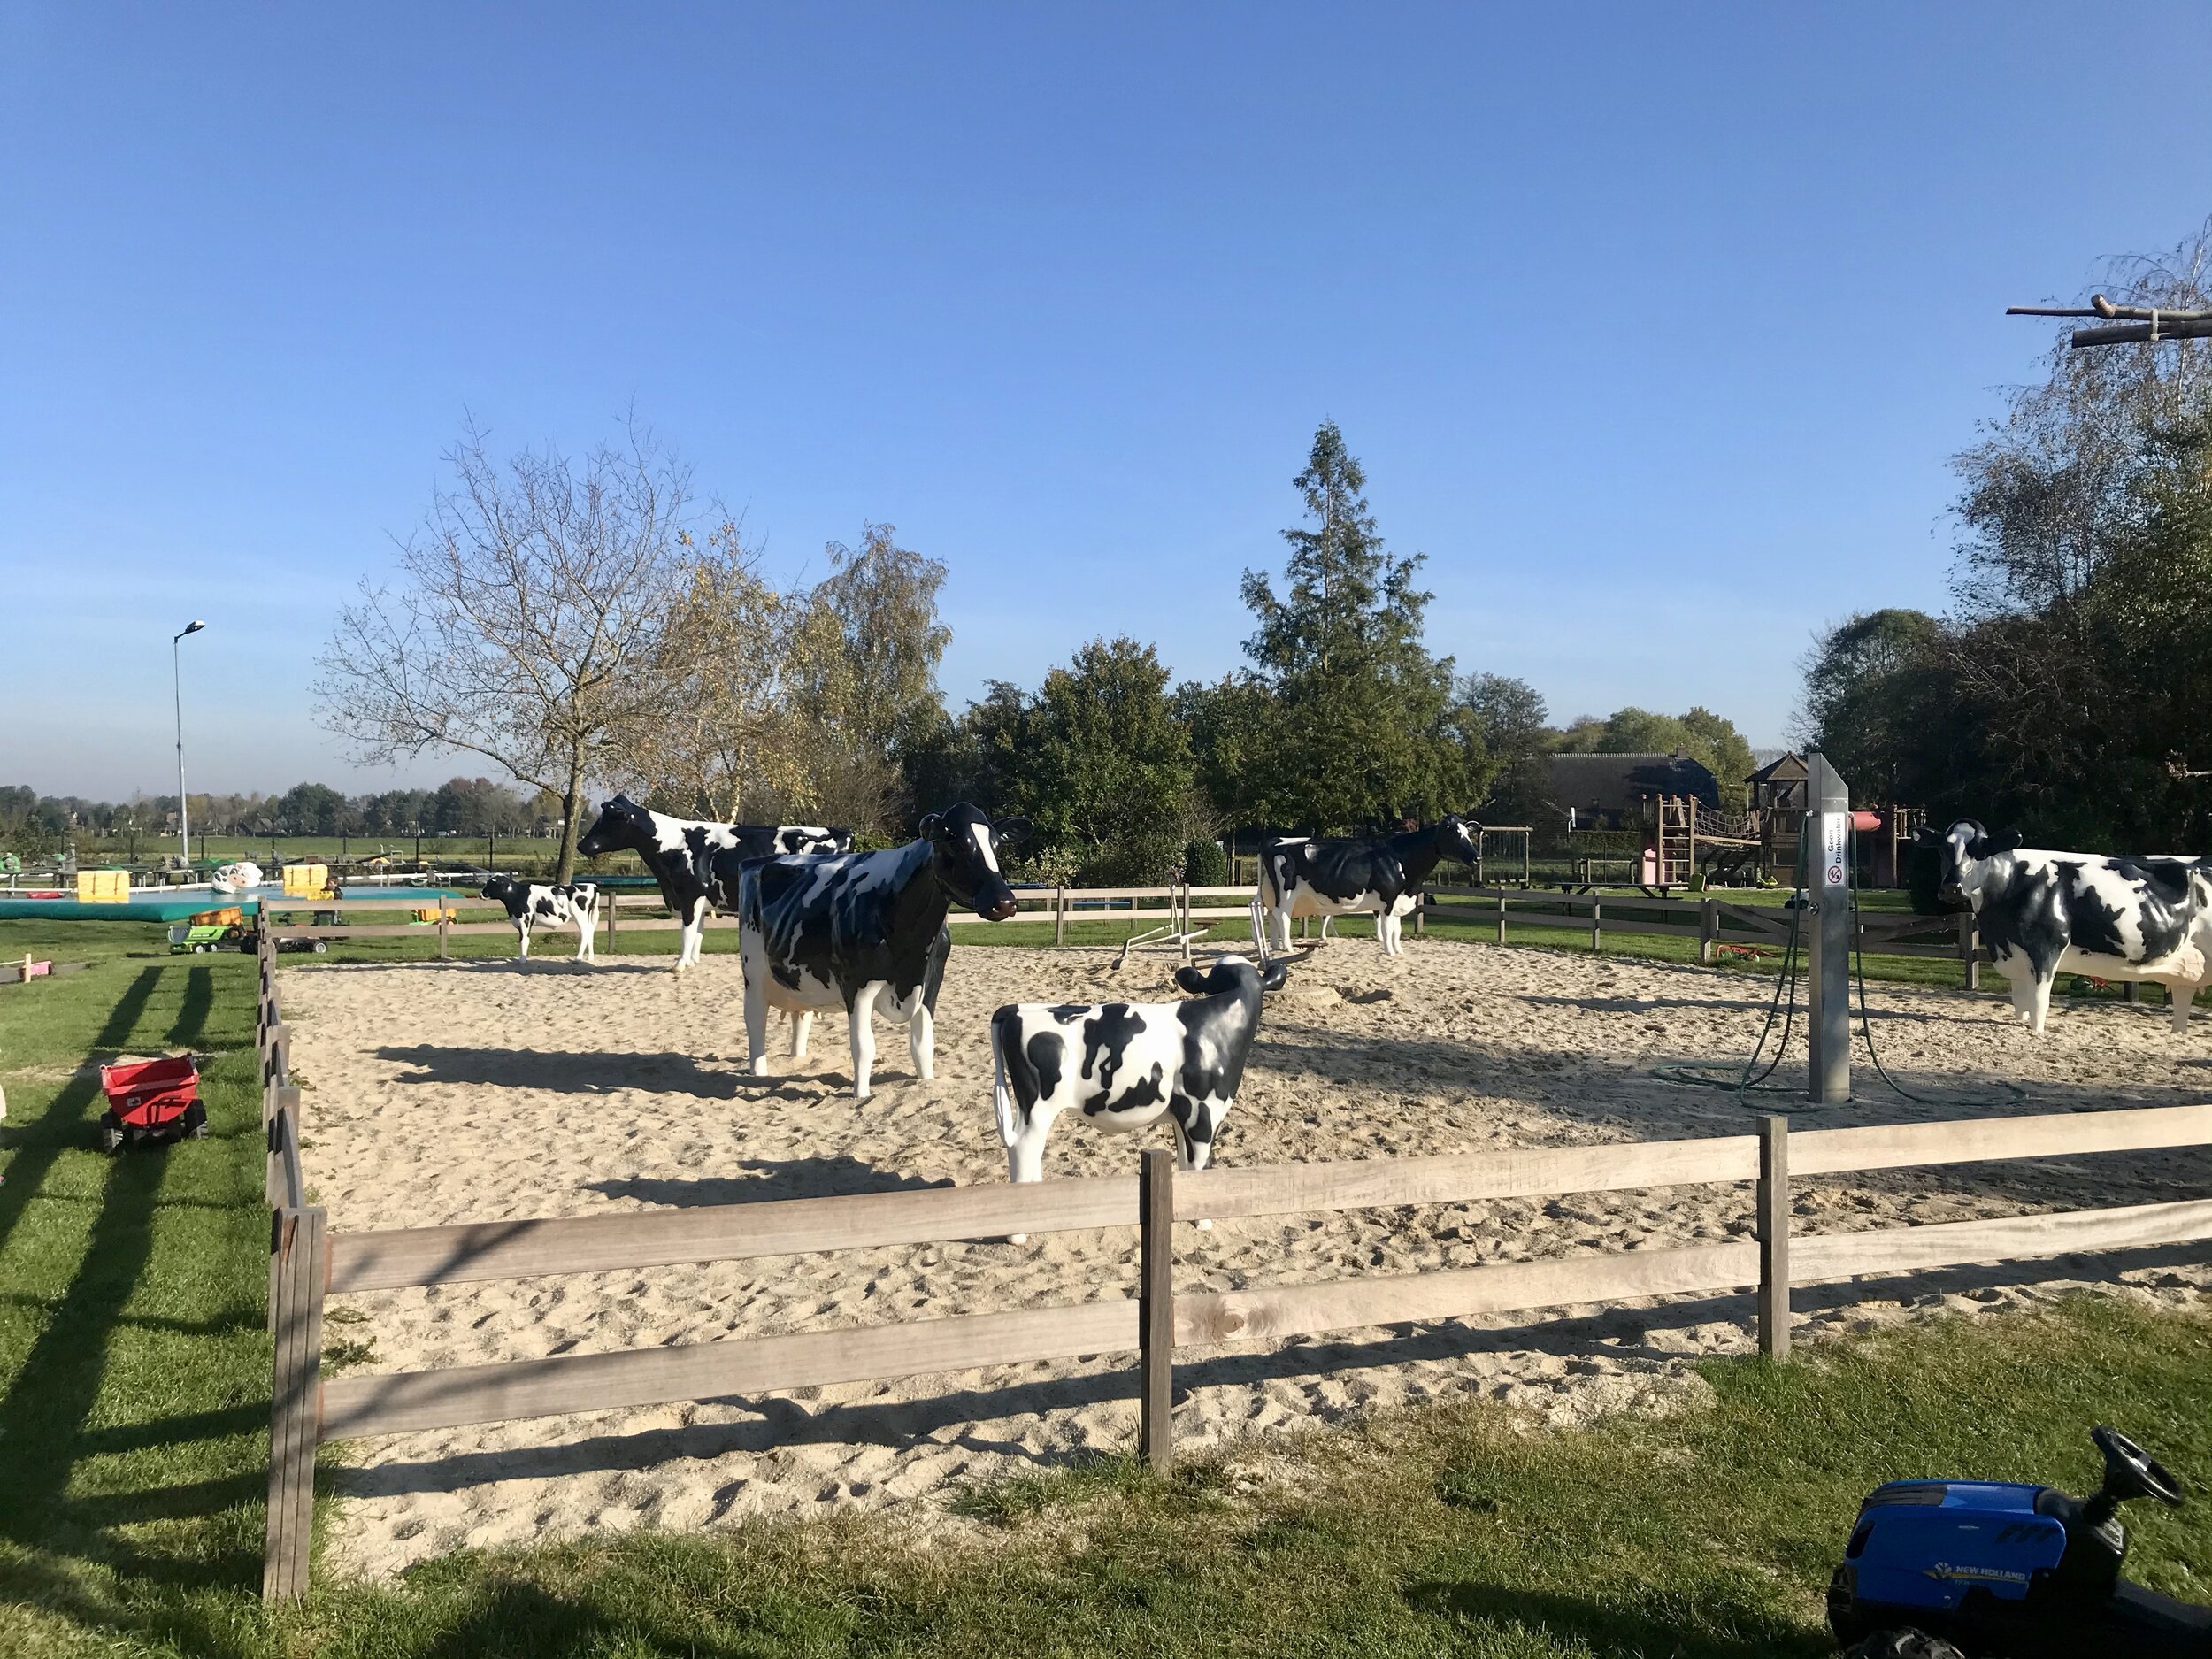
x=622, y=822
x=1457, y=838
x=1233, y=972
x=499, y=888
x=1963, y=844
x=964, y=846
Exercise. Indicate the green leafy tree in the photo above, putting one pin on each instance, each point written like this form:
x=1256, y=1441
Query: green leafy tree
x=1231, y=725
x=1364, y=727
x=1517, y=740
x=1709, y=739
x=1880, y=702
x=313, y=809
x=1099, y=761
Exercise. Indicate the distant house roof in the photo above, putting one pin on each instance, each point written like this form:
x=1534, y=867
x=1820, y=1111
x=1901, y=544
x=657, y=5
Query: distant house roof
x=1789, y=768
x=1611, y=783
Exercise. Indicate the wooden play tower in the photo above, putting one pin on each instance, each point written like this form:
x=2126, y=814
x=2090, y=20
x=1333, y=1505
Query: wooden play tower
x=1689, y=830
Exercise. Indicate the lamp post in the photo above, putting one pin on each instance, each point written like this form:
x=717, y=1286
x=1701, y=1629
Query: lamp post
x=184, y=808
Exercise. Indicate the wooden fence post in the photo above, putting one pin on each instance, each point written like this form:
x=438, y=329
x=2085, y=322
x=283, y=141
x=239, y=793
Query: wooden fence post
x=299, y=1245
x=443, y=913
x=1155, y=1305
x=1420, y=915
x=1970, y=949
x=1060, y=914
x=1596, y=937
x=1502, y=916
x=1708, y=929
x=1774, y=1235
x=614, y=908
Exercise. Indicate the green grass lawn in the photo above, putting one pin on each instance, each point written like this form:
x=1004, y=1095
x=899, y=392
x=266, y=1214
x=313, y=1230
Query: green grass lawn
x=134, y=1372
x=134, y=1394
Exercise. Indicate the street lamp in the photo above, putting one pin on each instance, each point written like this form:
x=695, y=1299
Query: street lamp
x=184, y=809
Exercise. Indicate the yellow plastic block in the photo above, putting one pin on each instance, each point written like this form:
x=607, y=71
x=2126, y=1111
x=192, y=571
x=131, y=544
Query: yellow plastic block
x=306, y=880
x=104, y=887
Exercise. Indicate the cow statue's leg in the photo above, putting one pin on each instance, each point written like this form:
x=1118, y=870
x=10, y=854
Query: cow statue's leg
x=522, y=933
x=695, y=928
x=1195, y=1124
x=921, y=1041
x=802, y=1024
x=2180, y=995
x=755, y=1027
x=1022, y=1134
x=860, y=1015
x=2039, y=999
x=588, y=937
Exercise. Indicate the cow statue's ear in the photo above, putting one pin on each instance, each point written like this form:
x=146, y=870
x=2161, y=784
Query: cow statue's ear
x=1192, y=980
x=931, y=827
x=1275, y=974
x=1012, y=831
x=2010, y=840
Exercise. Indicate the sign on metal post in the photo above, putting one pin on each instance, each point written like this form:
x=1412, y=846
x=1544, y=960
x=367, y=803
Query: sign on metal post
x=1829, y=898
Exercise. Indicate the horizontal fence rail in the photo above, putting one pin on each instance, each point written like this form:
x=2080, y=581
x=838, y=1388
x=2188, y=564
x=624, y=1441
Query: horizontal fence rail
x=791, y=1226
x=309, y=1262
x=707, y=1370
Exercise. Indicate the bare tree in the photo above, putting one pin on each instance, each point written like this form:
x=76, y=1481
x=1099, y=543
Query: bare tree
x=527, y=620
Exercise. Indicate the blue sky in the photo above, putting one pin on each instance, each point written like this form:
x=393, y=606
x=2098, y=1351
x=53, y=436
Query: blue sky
x=1654, y=326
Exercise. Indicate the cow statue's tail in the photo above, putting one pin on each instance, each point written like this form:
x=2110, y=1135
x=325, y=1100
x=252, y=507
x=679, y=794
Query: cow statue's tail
x=1001, y=1098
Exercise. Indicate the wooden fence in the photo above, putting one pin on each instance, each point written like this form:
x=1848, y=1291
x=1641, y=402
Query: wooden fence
x=1168, y=907
x=1713, y=922
x=308, y=1263
x=1178, y=909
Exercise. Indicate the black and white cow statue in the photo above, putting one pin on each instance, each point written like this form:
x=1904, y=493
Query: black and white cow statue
x=1379, y=876
x=1126, y=1064
x=2042, y=913
x=695, y=864
x=865, y=931
x=541, y=904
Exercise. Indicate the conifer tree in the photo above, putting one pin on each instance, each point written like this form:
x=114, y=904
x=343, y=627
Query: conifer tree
x=1364, y=728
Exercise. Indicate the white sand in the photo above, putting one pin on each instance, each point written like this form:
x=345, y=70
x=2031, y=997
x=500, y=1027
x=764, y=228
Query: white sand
x=475, y=1091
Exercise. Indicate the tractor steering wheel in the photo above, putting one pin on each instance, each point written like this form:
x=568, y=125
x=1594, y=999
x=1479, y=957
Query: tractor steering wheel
x=2132, y=1473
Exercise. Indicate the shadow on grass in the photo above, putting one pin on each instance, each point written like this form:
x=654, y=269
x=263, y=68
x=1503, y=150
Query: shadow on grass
x=1721, y=1624
x=198, y=1002
x=64, y=1125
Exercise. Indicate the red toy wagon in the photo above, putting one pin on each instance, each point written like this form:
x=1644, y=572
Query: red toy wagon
x=152, y=1098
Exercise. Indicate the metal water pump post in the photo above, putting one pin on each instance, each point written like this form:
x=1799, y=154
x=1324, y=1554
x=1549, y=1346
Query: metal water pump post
x=1833, y=910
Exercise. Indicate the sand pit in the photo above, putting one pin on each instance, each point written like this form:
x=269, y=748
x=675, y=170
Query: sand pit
x=482, y=1091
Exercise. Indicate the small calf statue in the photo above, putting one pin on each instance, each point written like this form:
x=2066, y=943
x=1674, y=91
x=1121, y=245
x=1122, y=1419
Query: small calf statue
x=2042, y=913
x=533, y=903
x=1126, y=1063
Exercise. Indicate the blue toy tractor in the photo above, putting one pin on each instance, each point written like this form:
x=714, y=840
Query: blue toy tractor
x=2001, y=1572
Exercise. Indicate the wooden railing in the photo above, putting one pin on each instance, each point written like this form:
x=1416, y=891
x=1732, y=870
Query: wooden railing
x=309, y=1262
